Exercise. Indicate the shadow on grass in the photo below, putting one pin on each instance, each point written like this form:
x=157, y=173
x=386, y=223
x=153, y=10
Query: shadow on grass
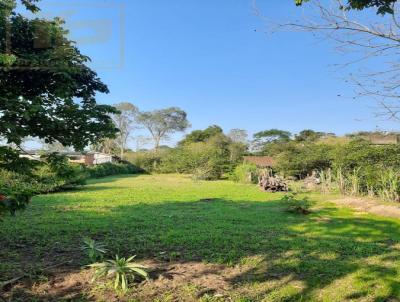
x=316, y=250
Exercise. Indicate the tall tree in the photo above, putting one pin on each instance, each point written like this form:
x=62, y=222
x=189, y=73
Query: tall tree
x=47, y=91
x=309, y=135
x=161, y=123
x=125, y=121
x=268, y=136
x=201, y=135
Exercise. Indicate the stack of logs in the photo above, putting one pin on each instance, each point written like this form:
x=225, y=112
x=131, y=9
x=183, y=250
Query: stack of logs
x=269, y=183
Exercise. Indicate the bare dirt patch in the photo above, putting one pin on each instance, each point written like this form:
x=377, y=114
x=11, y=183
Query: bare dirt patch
x=186, y=281
x=370, y=206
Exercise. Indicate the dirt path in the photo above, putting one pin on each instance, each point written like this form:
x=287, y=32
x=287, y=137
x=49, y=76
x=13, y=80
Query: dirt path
x=370, y=206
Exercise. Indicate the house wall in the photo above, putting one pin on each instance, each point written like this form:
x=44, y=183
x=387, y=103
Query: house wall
x=102, y=159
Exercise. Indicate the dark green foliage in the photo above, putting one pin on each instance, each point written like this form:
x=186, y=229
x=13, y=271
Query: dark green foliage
x=361, y=153
x=49, y=92
x=363, y=168
x=207, y=160
x=53, y=174
x=58, y=174
x=197, y=136
x=148, y=161
x=382, y=6
x=11, y=161
x=309, y=135
x=108, y=169
x=299, y=160
x=16, y=191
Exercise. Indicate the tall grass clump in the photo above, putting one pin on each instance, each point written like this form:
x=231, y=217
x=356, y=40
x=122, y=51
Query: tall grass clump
x=326, y=179
x=389, y=185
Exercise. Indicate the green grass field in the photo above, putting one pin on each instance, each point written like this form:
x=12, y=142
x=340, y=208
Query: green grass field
x=333, y=254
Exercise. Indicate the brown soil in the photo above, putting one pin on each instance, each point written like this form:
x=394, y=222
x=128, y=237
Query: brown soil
x=176, y=280
x=370, y=206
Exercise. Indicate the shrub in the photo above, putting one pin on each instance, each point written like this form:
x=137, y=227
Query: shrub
x=55, y=173
x=108, y=169
x=205, y=160
x=16, y=191
x=245, y=173
x=301, y=159
x=148, y=161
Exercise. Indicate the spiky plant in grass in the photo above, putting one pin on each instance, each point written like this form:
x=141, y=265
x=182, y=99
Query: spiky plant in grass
x=94, y=249
x=293, y=205
x=122, y=269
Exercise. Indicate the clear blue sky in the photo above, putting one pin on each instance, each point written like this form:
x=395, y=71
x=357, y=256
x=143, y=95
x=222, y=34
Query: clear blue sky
x=212, y=59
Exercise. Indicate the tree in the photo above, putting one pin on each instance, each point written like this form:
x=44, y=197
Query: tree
x=46, y=89
x=238, y=135
x=268, y=136
x=372, y=44
x=47, y=92
x=197, y=136
x=125, y=121
x=162, y=123
x=383, y=6
x=309, y=135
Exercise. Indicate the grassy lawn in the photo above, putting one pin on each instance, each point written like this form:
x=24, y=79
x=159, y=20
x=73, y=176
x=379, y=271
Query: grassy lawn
x=333, y=254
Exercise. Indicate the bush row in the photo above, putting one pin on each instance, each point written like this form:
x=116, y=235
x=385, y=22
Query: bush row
x=355, y=168
x=108, y=169
x=53, y=174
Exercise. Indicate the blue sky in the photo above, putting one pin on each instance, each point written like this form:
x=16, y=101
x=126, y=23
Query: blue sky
x=213, y=59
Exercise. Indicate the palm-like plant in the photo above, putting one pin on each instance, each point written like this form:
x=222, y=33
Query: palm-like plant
x=94, y=249
x=124, y=271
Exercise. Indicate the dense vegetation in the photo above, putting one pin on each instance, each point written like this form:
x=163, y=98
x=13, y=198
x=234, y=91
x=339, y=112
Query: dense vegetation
x=54, y=173
x=351, y=164
x=206, y=154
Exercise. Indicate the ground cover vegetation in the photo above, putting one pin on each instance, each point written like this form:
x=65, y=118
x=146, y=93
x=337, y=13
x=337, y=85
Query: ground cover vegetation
x=249, y=245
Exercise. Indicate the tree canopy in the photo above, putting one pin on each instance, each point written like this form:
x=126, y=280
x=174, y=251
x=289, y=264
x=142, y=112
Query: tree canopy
x=47, y=91
x=163, y=122
x=382, y=6
x=309, y=135
x=201, y=135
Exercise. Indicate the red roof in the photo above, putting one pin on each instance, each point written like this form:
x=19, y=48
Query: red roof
x=260, y=161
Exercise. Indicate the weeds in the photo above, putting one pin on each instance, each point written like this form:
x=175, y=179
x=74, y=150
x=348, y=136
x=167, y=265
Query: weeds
x=293, y=205
x=95, y=250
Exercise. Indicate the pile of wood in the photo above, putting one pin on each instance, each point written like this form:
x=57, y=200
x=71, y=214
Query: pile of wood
x=269, y=183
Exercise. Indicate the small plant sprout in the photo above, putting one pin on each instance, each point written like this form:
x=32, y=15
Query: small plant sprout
x=95, y=250
x=293, y=205
x=122, y=269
